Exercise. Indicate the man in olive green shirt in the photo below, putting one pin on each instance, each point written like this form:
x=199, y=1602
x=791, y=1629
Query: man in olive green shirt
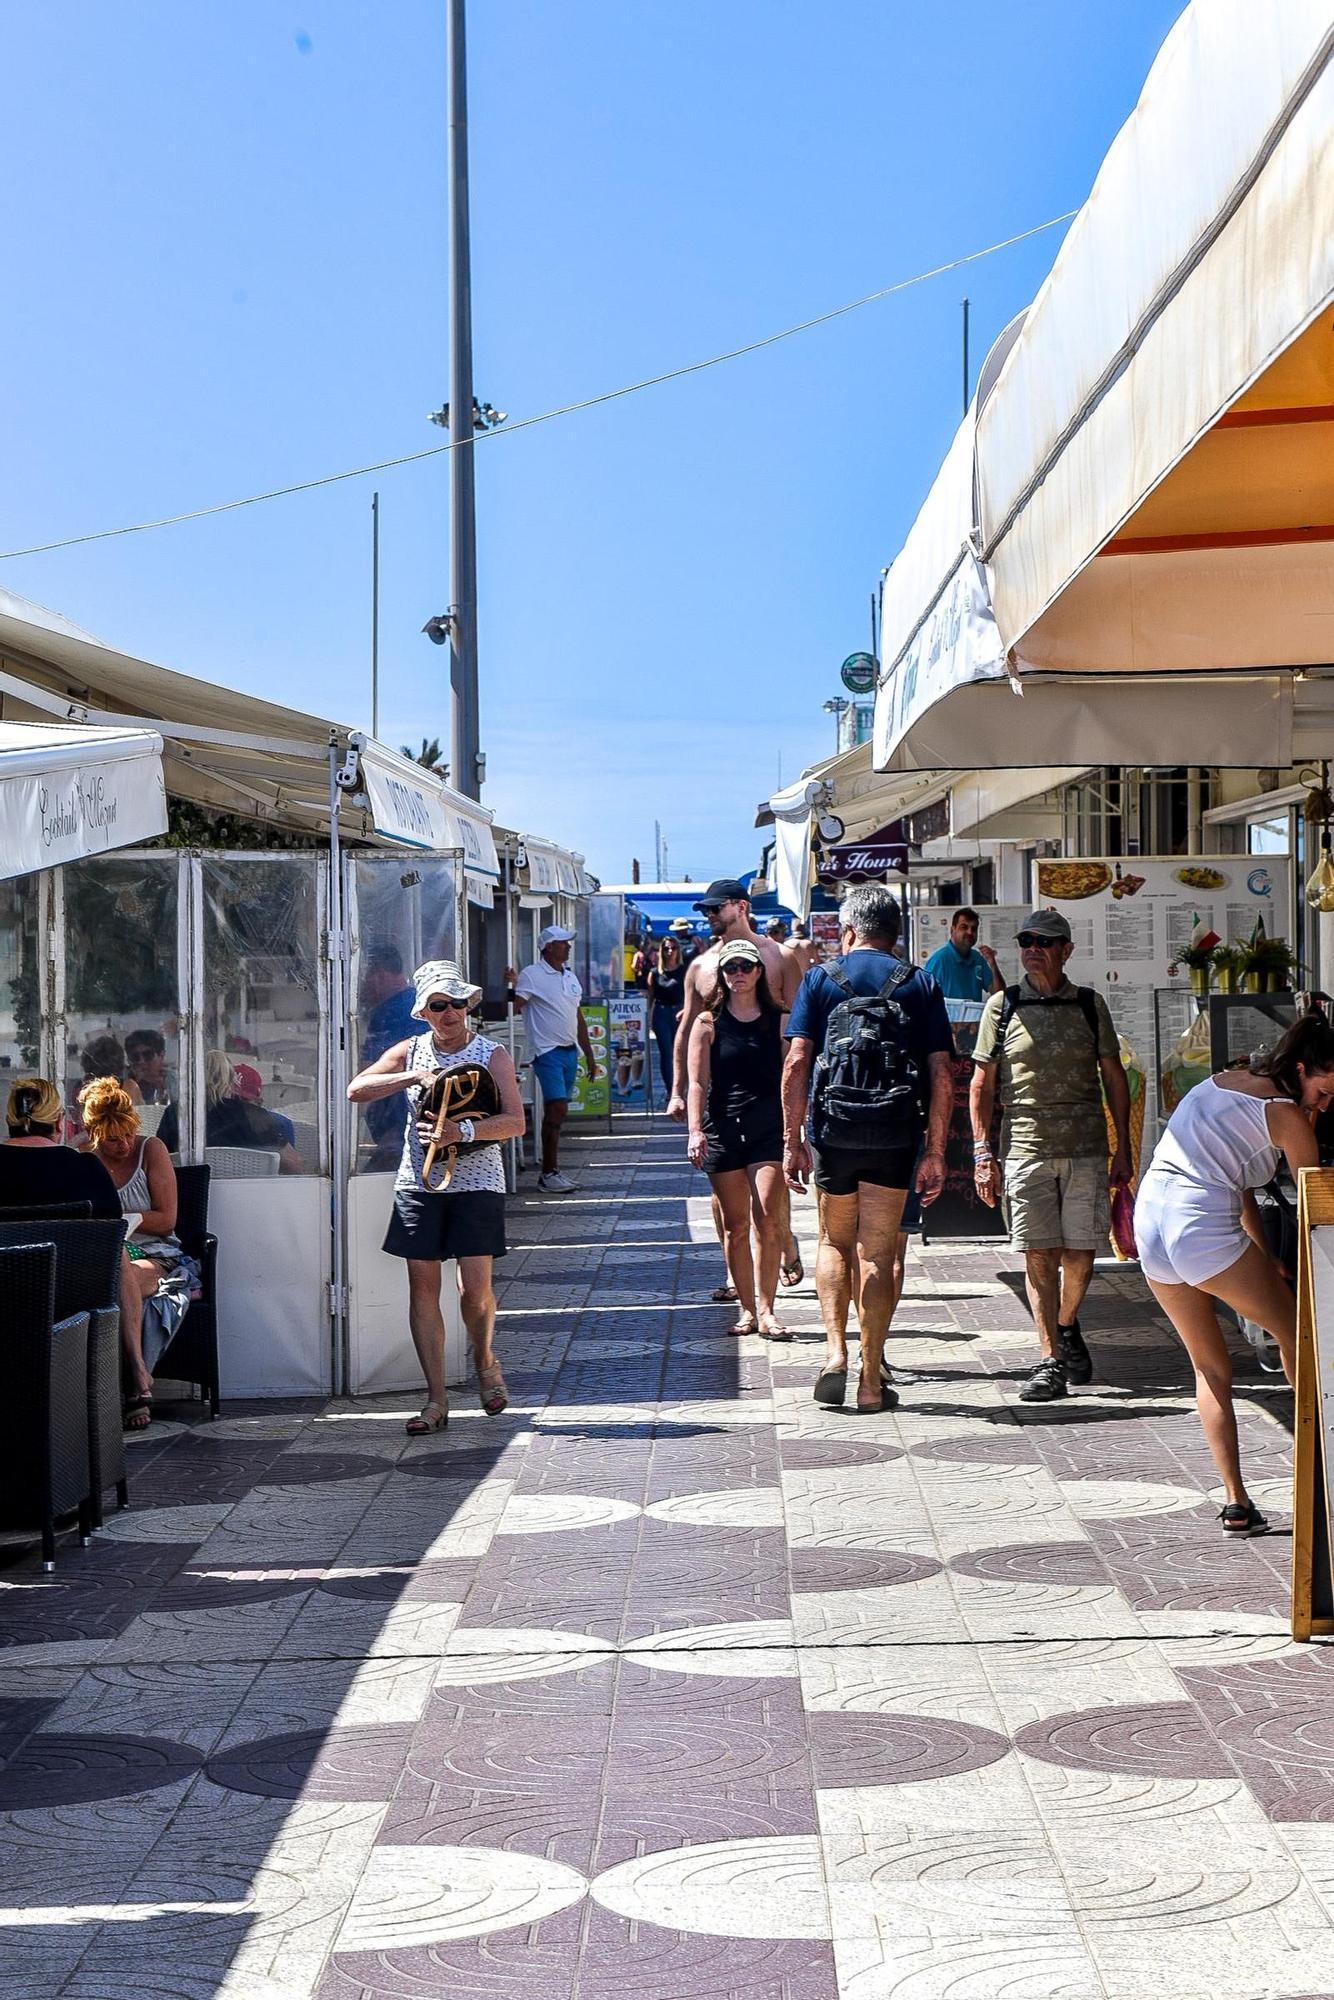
x=1051, y=1050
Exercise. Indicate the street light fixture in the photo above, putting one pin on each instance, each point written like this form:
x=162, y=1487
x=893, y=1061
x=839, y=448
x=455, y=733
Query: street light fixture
x=837, y=705
x=485, y=416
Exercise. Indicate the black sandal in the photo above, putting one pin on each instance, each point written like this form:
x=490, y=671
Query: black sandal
x=831, y=1386
x=791, y=1274
x=1243, y=1520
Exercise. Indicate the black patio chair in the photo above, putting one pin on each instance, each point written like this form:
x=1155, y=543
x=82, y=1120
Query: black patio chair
x=44, y=1466
x=53, y=1211
x=191, y=1355
x=88, y=1263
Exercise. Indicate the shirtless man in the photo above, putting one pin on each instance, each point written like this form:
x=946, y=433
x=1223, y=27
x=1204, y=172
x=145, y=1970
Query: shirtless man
x=727, y=907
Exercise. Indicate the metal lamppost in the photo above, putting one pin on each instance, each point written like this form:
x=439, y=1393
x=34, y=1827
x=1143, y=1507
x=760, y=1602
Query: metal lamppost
x=465, y=761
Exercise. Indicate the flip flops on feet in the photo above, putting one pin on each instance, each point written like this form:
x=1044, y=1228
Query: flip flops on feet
x=723, y=1295
x=771, y=1330
x=744, y=1323
x=831, y=1386
x=792, y=1271
x=137, y=1413
x=431, y=1417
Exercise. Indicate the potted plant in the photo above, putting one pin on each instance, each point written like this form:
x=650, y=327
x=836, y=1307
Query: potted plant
x=1198, y=960
x=1227, y=965
x=1272, y=959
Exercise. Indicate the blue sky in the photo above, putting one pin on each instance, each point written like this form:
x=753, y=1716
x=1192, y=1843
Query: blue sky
x=226, y=245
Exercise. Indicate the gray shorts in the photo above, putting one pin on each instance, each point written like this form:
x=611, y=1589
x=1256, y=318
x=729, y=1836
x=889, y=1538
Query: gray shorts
x=1057, y=1204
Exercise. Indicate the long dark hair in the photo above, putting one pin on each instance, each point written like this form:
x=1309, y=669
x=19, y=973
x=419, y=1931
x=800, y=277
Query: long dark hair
x=1310, y=1042
x=769, y=1007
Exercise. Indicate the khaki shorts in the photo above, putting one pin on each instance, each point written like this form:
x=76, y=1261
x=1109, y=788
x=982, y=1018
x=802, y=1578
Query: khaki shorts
x=1057, y=1204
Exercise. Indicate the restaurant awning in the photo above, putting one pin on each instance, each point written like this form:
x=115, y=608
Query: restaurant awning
x=1153, y=412
x=1145, y=484
x=233, y=751
x=67, y=791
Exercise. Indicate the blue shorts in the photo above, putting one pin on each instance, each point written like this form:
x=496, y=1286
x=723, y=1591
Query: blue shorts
x=556, y=1070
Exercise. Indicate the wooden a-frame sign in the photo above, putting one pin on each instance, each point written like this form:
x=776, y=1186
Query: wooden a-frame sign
x=1313, y=1442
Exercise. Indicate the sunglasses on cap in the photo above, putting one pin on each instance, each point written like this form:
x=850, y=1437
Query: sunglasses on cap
x=1030, y=941
x=446, y=1006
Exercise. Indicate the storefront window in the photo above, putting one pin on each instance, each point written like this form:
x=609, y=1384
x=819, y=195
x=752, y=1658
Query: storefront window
x=122, y=996
x=404, y=912
x=1268, y=836
x=20, y=981
x=601, y=954
x=263, y=1066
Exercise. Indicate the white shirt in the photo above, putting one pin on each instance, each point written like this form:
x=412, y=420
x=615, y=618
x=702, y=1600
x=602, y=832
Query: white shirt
x=551, y=1012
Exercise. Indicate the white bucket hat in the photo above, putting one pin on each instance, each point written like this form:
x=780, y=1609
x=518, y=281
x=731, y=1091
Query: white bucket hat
x=441, y=975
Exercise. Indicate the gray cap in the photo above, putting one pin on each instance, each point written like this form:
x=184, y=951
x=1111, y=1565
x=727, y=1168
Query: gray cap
x=1045, y=924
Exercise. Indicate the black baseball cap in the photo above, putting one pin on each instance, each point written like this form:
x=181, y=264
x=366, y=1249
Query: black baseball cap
x=725, y=890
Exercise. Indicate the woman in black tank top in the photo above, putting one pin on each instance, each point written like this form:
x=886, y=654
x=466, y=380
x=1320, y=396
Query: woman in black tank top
x=735, y=1113
x=667, y=996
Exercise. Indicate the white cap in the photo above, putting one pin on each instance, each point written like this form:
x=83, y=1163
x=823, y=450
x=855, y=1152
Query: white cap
x=553, y=934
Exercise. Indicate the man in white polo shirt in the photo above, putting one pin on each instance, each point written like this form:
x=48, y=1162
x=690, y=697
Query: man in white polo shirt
x=548, y=994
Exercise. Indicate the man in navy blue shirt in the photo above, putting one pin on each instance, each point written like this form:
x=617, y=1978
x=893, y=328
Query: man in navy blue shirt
x=861, y=1195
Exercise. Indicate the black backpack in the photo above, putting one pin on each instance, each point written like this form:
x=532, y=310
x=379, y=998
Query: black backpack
x=1014, y=1002
x=867, y=1089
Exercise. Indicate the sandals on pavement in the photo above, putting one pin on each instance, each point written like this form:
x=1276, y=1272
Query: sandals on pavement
x=889, y=1400
x=1239, y=1519
x=773, y=1331
x=745, y=1323
x=431, y=1417
x=791, y=1273
x=491, y=1389
x=137, y=1413
x=831, y=1386
x=723, y=1295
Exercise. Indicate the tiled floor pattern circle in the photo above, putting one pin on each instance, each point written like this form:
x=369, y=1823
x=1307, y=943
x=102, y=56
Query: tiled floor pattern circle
x=671, y=1683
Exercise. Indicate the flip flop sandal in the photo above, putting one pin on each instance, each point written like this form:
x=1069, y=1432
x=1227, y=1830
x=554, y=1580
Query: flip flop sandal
x=831, y=1386
x=495, y=1397
x=739, y=1330
x=793, y=1273
x=137, y=1413
x=431, y=1417
x=725, y=1295
x=774, y=1333
x=889, y=1400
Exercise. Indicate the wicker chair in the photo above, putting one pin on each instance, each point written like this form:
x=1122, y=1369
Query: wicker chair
x=53, y=1211
x=192, y=1353
x=44, y=1469
x=88, y=1263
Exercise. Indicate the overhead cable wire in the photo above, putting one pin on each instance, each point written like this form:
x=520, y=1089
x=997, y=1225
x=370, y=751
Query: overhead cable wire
x=545, y=416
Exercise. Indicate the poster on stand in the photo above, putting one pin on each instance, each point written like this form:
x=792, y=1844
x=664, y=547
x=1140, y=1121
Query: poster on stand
x=1129, y=918
x=958, y=1210
x=593, y=1100
x=630, y=1051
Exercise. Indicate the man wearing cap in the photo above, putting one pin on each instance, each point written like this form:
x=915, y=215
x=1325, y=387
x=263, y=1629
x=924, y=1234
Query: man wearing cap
x=1050, y=1049
x=726, y=906
x=548, y=994
x=464, y=1221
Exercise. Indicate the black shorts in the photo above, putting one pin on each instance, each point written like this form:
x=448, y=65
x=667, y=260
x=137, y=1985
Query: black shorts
x=434, y=1227
x=739, y=1144
x=840, y=1171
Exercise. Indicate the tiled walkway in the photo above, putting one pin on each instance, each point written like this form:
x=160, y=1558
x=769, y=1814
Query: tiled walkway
x=669, y=1684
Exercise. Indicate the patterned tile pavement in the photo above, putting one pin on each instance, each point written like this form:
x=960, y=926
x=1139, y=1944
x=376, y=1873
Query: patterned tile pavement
x=669, y=1683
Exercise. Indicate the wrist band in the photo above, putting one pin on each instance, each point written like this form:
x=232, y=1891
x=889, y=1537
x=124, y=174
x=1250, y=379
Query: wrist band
x=468, y=1131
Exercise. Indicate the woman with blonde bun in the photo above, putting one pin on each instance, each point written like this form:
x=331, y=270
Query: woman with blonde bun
x=161, y=1276
x=35, y=1169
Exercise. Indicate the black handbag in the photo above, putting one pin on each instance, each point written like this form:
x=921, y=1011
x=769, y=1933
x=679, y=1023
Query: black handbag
x=470, y=1091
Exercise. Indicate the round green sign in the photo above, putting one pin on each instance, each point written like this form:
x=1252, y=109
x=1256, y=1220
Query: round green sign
x=858, y=673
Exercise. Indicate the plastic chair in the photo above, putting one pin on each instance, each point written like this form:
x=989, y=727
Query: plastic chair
x=87, y=1280
x=240, y=1163
x=191, y=1355
x=44, y=1466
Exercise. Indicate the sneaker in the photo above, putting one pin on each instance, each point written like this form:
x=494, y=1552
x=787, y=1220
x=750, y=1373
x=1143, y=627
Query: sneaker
x=1074, y=1353
x=555, y=1183
x=1046, y=1384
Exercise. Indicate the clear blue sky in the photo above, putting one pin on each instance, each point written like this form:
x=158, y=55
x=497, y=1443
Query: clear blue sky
x=225, y=236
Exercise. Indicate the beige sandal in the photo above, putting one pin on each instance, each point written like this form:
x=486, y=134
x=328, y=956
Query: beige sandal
x=492, y=1390
x=431, y=1417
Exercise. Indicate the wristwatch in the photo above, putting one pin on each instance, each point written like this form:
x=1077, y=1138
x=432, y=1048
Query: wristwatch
x=466, y=1131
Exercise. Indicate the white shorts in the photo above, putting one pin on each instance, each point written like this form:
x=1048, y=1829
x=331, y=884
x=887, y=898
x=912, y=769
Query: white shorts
x=1185, y=1241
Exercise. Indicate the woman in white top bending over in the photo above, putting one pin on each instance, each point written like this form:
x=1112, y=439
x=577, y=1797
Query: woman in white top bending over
x=1198, y=1230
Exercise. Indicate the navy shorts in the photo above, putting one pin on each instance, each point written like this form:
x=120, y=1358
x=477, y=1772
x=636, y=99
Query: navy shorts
x=434, y=1227
x=840, y=1171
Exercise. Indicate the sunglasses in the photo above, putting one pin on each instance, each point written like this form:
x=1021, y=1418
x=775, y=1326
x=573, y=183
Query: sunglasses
x=740, y=965
x=1026, y=941
x=446, y=1006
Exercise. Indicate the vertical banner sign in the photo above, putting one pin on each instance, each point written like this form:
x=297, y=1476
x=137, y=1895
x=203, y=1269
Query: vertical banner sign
x=593, y=1100
x=629, y=1049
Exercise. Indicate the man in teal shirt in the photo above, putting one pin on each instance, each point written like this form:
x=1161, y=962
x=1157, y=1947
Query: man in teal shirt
x=959, y=968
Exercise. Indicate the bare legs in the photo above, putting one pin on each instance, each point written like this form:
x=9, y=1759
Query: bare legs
x=1056, y=1281
x=731, y=1197
x=746, y=1200
x=553, y=1117
x=139, y=1279
x=427, y=1325
x=477, y=1302
x=1253, y=1288
x=856, y=1263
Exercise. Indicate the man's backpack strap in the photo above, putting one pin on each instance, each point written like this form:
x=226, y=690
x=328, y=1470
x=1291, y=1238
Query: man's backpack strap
x=1089, y=1003
x=840, y=979
x=895, y=980
x=1010, y=1005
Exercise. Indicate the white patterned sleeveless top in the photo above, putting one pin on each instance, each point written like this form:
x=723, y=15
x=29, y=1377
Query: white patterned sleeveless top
x=479, y=1172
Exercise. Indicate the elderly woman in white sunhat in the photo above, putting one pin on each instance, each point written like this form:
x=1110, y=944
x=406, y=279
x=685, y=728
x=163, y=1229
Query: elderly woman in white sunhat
x=464, y=1221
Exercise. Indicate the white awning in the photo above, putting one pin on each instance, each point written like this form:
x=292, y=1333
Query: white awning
x=1007, y=804
x=549, y=870
x=67, y=792
x=1204, y=252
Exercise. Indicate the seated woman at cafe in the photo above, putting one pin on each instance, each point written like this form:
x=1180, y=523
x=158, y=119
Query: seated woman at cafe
x=161, y=1277
x=36, y=1170
x=231, y=1119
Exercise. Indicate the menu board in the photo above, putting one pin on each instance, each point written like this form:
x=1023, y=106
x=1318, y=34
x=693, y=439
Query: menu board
x=593, y=1099
x=997, y=924
x=958, y=1210
x=1129, y=918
